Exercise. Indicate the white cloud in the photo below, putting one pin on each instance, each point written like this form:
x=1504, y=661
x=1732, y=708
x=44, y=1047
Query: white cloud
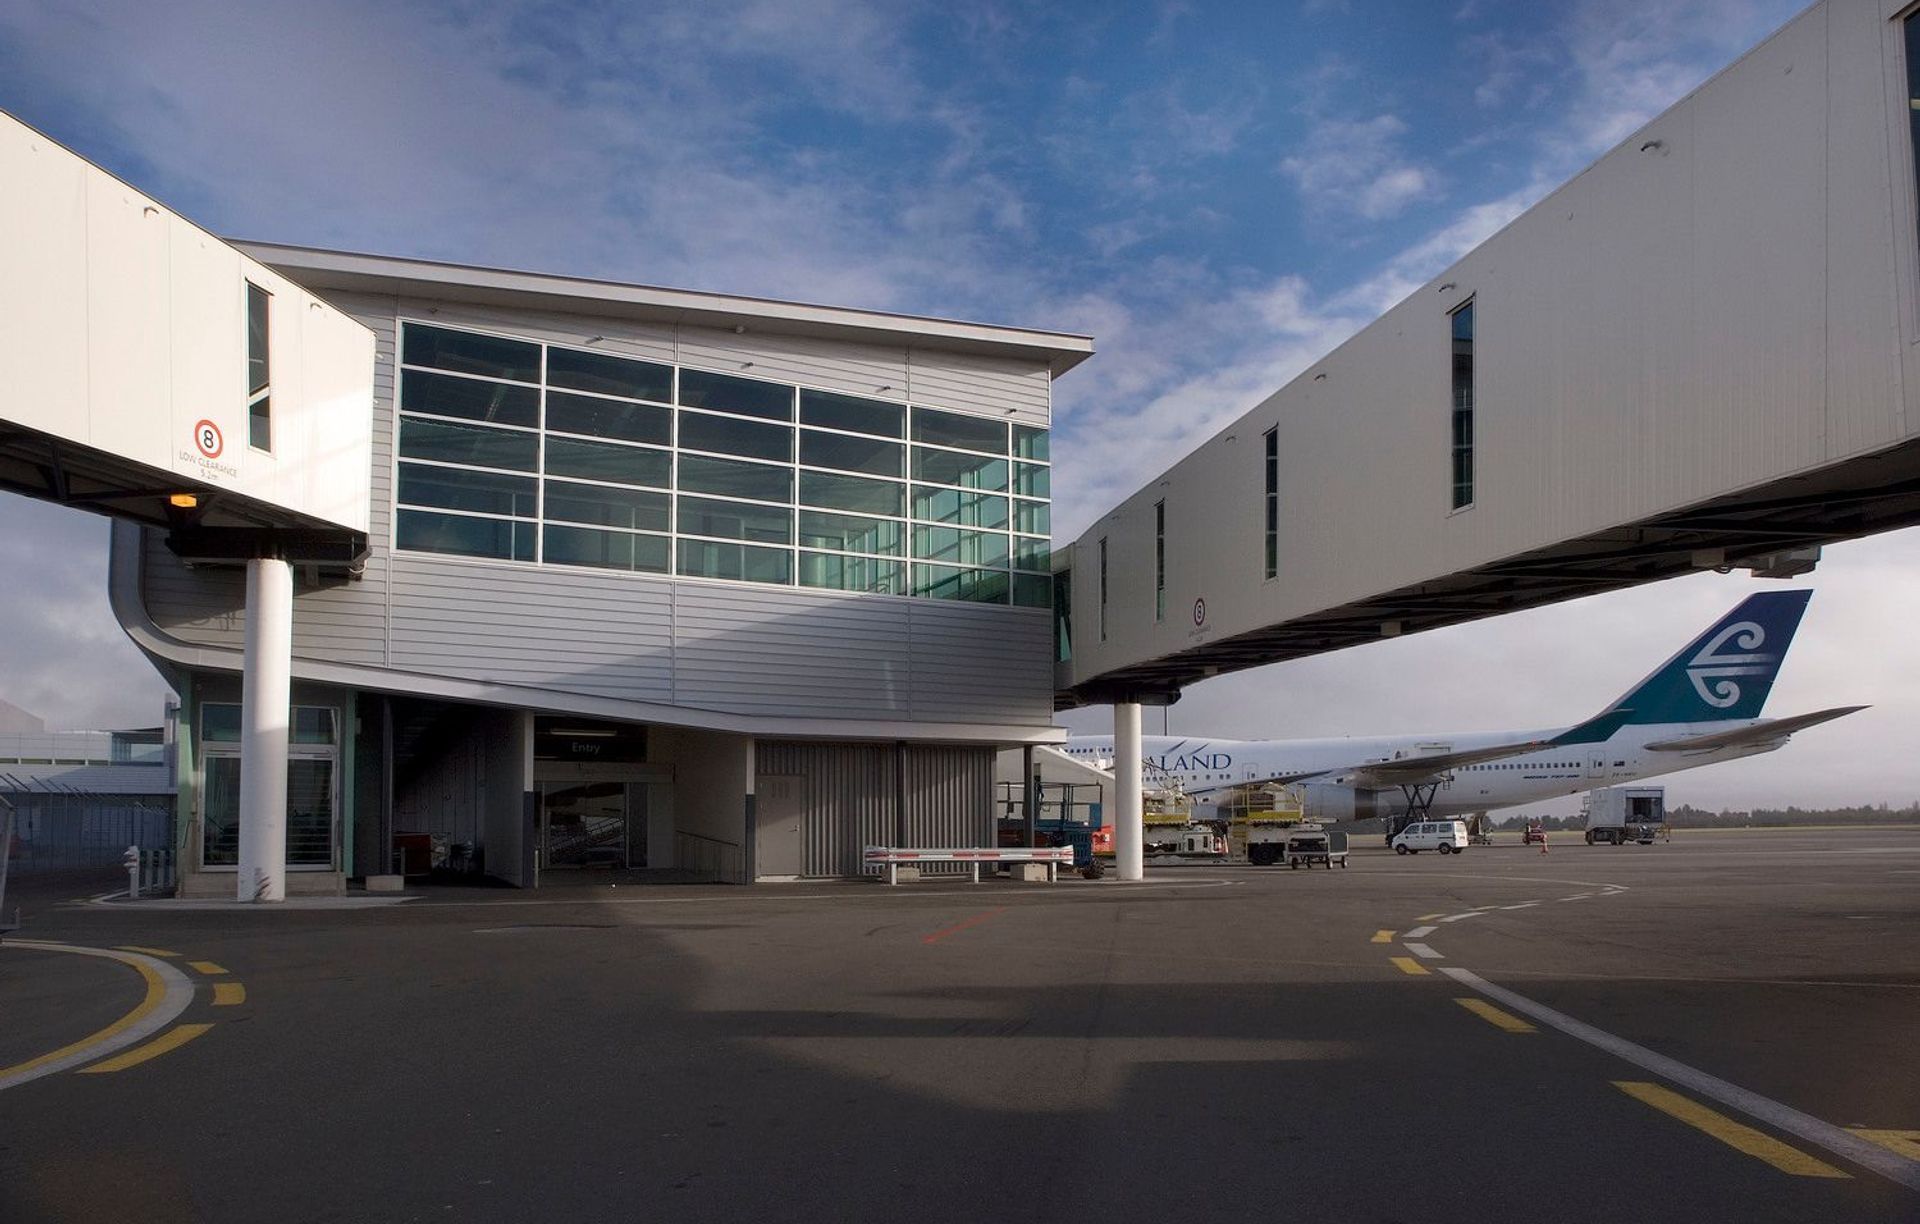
x=1356, y=166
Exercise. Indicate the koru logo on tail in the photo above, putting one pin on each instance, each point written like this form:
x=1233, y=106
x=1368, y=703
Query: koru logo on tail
x=1713, y=673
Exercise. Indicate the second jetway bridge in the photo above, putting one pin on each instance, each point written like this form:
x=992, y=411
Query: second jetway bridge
x=1699, y=353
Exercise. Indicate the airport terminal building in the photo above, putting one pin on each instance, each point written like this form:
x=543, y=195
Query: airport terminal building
x=651, y=578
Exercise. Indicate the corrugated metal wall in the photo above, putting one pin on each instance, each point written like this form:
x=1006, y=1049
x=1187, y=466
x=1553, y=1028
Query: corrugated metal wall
x=852, y=798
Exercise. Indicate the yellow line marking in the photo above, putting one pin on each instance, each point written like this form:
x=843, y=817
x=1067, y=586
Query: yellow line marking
x=146, y=951
x=1901, y=1142
x=172, y=1039
x=228, y=994
x=1430, y=917
x=1382, y=937
x=1726, y=1130
x=208, y=968
x=1406, y=964
x=1494, y=1016
x=156, y=991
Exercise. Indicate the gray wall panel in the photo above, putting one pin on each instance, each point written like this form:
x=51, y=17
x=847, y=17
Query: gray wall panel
x=858, y=369
x=980, y=384
x=852, y=796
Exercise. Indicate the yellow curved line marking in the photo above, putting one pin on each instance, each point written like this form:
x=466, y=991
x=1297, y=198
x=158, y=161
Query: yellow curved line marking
x=208, y=968
x=146, y=951
x=156, y=990
x=172, y=1039
x=228, y=994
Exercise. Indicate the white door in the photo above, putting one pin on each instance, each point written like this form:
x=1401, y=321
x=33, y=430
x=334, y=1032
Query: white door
x=777, y=811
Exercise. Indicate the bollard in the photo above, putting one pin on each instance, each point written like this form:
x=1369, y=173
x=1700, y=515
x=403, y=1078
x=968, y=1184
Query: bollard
x=132, y=861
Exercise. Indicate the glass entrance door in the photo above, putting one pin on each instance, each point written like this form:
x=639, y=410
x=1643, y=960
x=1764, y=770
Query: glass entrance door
x=588, y=824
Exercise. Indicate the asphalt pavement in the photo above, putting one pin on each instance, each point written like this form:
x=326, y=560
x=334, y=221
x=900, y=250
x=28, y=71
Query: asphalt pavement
x=1216, y=1043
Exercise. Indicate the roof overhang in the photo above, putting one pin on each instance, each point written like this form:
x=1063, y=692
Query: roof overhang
x=321, y=270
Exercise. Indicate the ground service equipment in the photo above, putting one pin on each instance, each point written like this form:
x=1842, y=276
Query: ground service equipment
x=1619, y=814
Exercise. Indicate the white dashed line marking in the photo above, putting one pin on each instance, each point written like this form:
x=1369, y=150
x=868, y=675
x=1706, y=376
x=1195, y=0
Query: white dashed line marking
x=1421, y=932
x=1424, y=952
x=1458, y=917
x=1522, y=905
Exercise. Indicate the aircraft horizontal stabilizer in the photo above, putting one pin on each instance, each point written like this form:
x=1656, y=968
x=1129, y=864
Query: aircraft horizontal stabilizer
x=1759, y=733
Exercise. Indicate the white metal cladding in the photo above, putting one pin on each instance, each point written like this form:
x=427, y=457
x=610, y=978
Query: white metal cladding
x=1723, y=301
x=851, y=799
x=127, y=333
x=745, y=649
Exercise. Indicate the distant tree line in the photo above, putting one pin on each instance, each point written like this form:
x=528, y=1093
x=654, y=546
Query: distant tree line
x=1688, y=817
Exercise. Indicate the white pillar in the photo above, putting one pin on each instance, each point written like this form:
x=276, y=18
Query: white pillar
x=1129, y=834
x=265, y=695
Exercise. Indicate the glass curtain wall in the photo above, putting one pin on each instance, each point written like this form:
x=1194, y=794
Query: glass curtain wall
x=522, y=451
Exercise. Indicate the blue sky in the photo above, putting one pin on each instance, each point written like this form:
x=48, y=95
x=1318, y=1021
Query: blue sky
x=1218, y=193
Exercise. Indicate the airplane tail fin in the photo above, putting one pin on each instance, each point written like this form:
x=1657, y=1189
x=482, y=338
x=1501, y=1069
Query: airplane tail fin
x=1722, y=675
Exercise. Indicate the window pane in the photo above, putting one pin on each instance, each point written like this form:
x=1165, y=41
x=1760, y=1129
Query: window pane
x=609, y=375
x=732, y=478
x=954, y=468
x=744, y=396
x=259, y=303
x=609, y=418
x=1032, y=554
x=468, y=353
x=424, y=531
x=735, y=437
x=867, y=455
x=576, y=503
x=311, y=725
x=260, y=423
x=220, y=724
x=1032, y=480
x=465, y=489
x=851, y=493
x=959, y=506
x=309, y=812
x=959, y=547
x=851, y=412
x=953, y=429
x=735, y=520
x=945, y=582
x=220, y=812
x=836, y=573
x=849, y=533
x=1033, y=517
x=1032, y=591
x=1029, y=443
x=607, y=461
x=475, y=444
x=449, y=395
x=740, y=562
x=605, y=549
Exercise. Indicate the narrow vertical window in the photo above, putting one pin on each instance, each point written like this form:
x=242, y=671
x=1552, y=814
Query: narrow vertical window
x=1912, y=31
x=1463, y=406
x=1103, y=588
x=1159, y=561
x=259, y=395
x=1273, y=502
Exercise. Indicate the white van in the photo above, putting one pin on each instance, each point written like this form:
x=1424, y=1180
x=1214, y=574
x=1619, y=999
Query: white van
x=1446, y=836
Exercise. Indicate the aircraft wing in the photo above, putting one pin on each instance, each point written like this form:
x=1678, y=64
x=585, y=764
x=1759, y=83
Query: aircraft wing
x=1758, y=733
x=1414, y=770
x=1380, y=775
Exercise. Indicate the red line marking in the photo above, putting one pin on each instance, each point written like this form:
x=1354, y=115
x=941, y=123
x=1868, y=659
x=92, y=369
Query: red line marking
x=962, y=925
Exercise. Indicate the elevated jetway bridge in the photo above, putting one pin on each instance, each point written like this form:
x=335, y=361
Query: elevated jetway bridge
x=1702, y=352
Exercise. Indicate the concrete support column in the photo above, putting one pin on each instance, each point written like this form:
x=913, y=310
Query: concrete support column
x=1129, y=833
x=265, y=697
